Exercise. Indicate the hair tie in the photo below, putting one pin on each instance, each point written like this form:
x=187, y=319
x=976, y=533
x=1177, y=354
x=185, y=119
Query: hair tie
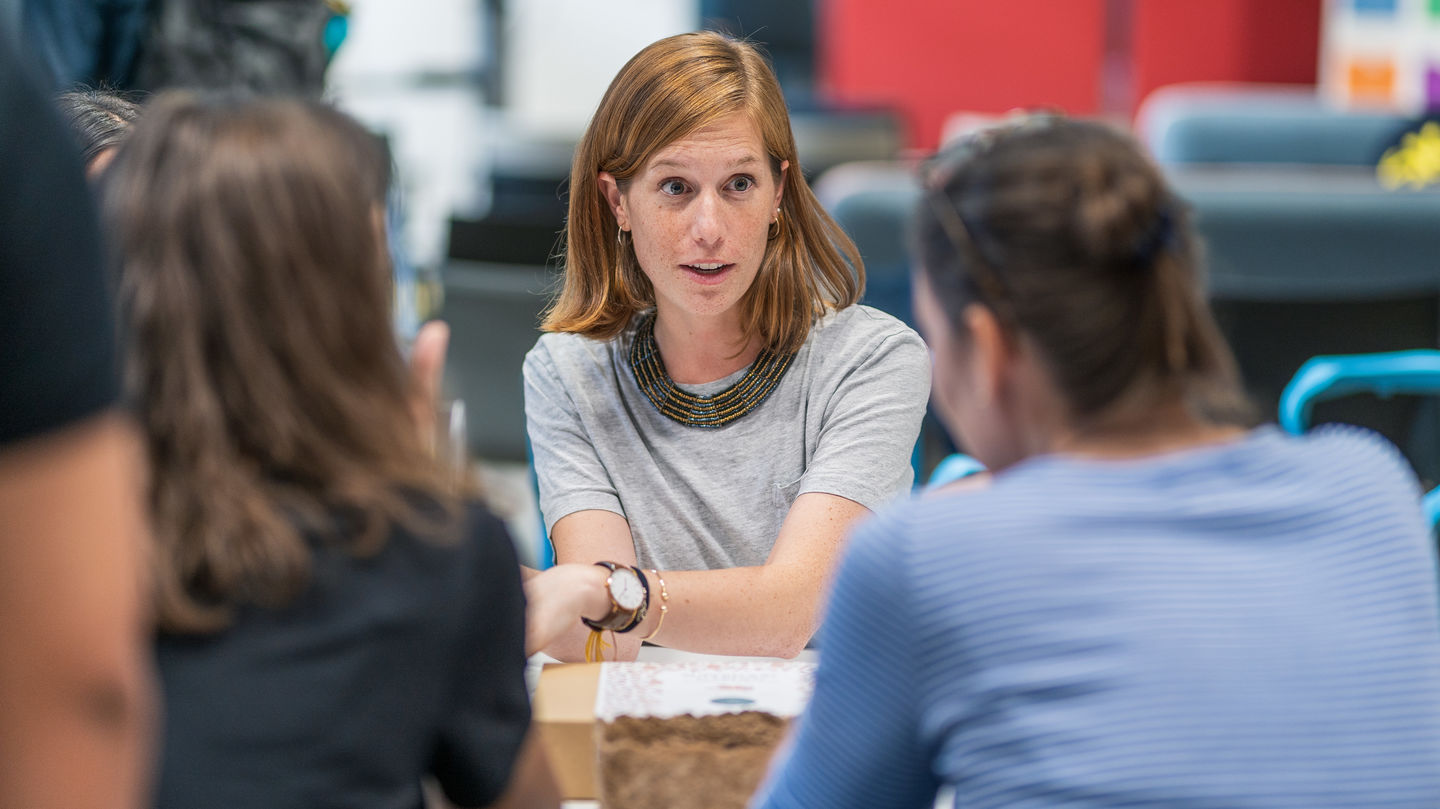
x=1158, y=238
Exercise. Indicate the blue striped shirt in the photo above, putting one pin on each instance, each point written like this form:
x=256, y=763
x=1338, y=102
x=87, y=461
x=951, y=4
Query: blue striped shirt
x=1246, y=626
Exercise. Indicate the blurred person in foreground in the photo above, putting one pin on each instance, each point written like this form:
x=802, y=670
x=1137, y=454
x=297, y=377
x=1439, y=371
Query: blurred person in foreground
x=711, y=408
x=76, y=697
x=1149, y=606
x=336, y=620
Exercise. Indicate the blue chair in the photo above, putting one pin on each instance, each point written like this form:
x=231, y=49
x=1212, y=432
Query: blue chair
x=1430, y=504
x=955, y=466
x=545, y=553
x=1220, y=123
x=1414, y=372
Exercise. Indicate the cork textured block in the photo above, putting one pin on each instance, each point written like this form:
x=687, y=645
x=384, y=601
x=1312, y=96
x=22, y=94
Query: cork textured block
x=709, y=762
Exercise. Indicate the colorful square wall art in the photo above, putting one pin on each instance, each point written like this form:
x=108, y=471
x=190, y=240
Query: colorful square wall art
x=1381, y=54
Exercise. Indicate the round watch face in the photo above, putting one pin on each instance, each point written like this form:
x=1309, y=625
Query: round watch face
x=625, y=588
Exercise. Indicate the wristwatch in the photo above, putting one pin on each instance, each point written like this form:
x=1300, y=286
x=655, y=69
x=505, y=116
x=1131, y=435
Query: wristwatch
x=629, y=599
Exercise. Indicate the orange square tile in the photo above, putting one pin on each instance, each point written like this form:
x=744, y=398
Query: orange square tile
x=1372, y=80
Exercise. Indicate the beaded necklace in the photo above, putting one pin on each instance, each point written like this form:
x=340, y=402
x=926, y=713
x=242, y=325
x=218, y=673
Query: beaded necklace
x=715, y=410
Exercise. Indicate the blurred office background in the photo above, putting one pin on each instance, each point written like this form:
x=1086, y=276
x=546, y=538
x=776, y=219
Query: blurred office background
x=1264, y=124
x=1271, y=117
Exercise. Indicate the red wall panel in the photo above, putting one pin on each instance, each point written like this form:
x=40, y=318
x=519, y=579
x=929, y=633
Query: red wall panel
x=929, y=58
x=1223, y=40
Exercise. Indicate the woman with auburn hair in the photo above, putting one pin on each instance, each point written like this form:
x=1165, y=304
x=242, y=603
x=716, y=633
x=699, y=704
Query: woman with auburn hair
x=711, y=408
x=336, y=620
x=1149, y=606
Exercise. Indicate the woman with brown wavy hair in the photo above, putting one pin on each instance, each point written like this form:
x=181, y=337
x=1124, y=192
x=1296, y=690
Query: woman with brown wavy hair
x=711, y=408
x=335, y=620
x=1150, y=605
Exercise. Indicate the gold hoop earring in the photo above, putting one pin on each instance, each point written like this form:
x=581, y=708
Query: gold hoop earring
x=775, y=226
x=620, y=236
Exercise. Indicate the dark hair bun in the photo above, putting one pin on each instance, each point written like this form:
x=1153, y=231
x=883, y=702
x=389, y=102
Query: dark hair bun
x=1095, y=256
x=1122, y=218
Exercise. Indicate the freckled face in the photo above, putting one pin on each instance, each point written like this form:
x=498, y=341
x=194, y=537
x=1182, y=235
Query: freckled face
x=699, y=214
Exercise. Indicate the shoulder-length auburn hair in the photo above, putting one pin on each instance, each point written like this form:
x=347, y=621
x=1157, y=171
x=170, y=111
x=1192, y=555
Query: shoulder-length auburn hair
x=255, y=288
x=664, y=93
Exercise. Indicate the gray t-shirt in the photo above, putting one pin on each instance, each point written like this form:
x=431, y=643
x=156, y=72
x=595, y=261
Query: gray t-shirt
x=843, y=421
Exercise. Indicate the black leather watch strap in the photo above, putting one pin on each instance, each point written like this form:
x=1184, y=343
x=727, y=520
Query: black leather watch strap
x=619, y=619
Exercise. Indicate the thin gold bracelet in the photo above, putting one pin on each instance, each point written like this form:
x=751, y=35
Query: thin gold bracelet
x=664, y=605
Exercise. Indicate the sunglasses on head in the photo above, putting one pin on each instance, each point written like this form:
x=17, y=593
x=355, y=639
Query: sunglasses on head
x=940, y=170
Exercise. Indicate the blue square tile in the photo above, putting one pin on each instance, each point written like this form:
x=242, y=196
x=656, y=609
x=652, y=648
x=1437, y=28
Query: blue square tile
x=1376, y=6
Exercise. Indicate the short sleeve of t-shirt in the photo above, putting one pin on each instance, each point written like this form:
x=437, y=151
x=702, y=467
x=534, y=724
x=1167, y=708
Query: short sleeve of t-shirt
x=842, y=421
x=871, y=418
x=561, y=445
x=489, y=716
x=56, y=332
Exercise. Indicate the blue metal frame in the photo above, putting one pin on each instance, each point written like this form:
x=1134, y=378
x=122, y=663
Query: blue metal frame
x=1415, y=373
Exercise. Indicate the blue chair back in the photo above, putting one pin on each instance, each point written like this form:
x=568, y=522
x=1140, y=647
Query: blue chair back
x=955, y=466
x=1414, y=372
x=1260, y=123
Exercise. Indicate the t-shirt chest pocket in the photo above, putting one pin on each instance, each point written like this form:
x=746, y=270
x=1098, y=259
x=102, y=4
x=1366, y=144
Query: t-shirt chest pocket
x=785, y=493
x=787, y=472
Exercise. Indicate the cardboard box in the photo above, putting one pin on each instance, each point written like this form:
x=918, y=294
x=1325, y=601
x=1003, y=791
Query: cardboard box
x=568, y=698
x=564, y=709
